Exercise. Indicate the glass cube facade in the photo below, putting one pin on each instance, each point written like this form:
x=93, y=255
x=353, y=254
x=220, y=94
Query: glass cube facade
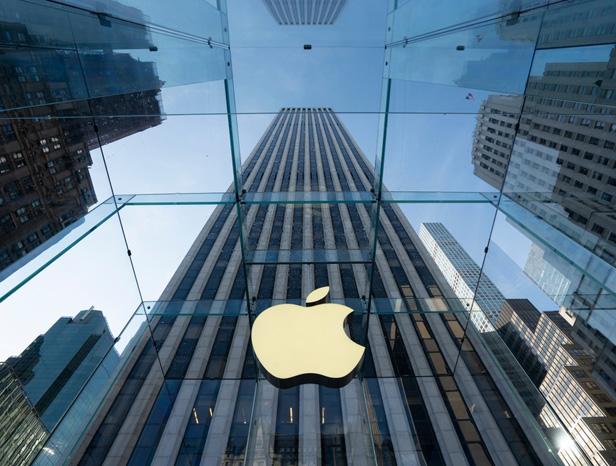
x=447, y=169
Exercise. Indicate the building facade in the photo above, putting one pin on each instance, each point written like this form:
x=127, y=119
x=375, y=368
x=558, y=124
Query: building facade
x=565, y=377
x=190, y=394
x=67, y=367
x=22, y=433
x=305, y=12
x=46, y=137
x=475, y=290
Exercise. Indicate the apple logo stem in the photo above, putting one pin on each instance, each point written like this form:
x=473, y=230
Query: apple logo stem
x=295, y=345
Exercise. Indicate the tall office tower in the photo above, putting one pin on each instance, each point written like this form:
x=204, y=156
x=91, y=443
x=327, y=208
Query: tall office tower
x=22, y=433
x=567, y=384
x=46, y=133
x=57, y=364
x=562, y=168
x=305, y=12
x=62, y=374
x=189, y=393
x=463, y=275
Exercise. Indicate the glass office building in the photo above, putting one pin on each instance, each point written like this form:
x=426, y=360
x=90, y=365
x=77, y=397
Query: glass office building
x=231, y=161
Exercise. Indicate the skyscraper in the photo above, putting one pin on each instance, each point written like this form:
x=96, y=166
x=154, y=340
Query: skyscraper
x=22, y=433
x=49, y=377
x=305, y=12
x=476, y=291
x=190, y=393
x=566, y=380
x=45, y=143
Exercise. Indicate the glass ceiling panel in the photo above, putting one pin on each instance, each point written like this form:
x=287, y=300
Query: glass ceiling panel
x=489, y=57
x=419, y=158
x=204, y=21
x=147, y=227
x=416, y=18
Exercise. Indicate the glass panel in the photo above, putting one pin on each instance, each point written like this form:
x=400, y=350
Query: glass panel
x=106, y=282
x=417, y=18
x=154, y=266
x=178, y=152
x=73, y=351
x=326, y=423
x=337, y=23
x=495, y=56
x=26, y=268
x=204, y=20
x=544, y=326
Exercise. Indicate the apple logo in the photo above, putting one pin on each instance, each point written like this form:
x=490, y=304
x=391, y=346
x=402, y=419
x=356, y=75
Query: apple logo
x=296, y=345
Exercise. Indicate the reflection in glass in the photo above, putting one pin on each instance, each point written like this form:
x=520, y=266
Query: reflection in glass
x=46, y=137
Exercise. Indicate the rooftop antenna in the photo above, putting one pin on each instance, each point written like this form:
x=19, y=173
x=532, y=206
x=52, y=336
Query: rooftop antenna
x=87, y=312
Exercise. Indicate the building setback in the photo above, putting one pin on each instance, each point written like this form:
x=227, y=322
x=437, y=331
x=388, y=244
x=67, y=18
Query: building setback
x=546, y=347
x=188, y=394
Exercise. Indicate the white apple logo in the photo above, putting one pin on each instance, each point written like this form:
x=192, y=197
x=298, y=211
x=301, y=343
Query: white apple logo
x=296, y=345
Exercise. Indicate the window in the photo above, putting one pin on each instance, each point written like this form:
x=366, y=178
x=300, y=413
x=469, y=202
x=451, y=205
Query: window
x=585, y=122
x=596, y=228
x=600, y=428
x=599, y=124
x=18, y=159
x=588, y=155
x=607, y=197
x=594, y=141
x=608, y=144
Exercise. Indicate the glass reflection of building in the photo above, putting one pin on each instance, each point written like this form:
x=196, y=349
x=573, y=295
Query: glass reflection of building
x=561, y=166
x=46, y=139
x=552, y=152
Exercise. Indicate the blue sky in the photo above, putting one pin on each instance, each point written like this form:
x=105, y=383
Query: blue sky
x=189, y=152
